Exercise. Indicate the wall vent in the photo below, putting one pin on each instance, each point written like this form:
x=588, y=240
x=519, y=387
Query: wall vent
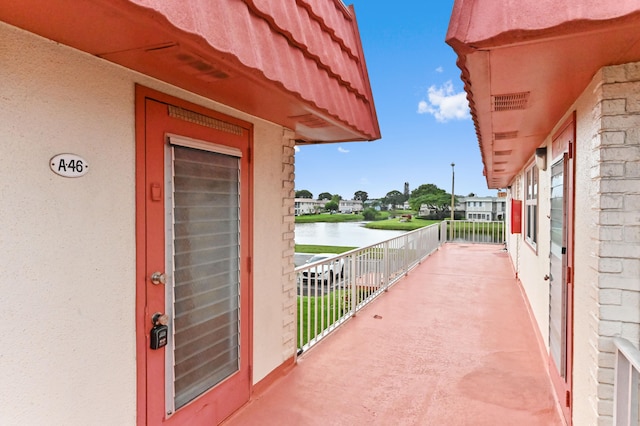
x=506, y=152
x=204, y=120
x=511, y=101
x=500, y=136
x=189, y=62
x=310, y=120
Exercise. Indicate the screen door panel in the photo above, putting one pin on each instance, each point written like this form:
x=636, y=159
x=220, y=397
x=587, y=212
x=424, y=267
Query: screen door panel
x=557, y=282
x=205, y=259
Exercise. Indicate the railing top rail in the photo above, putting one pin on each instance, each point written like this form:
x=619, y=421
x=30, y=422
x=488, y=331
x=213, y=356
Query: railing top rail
x=358, y=249
x=628, y=350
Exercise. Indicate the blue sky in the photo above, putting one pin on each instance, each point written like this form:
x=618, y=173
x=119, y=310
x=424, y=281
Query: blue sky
x=421, y=106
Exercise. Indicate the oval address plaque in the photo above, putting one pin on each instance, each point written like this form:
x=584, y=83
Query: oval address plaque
x=69, y=165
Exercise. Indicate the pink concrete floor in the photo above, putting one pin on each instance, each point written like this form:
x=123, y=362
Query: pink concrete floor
x=450, y=344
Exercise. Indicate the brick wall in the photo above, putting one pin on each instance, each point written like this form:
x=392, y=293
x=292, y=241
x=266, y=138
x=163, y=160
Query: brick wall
x=289, y=290
x=616, y=183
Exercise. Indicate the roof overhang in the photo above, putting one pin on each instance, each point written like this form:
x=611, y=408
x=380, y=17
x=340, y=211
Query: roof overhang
x=298, y=64
x=525, y=62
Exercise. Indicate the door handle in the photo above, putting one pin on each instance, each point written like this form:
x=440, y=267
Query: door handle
x=160, y=319
x=158, y=278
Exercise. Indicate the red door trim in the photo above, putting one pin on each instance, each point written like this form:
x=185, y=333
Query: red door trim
x=142, y=94
x=141, y=267
x=564, y=141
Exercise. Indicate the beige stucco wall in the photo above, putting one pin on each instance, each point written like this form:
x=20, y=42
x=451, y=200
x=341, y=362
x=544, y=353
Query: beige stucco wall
x=607, y=237
x=532, y=263
x=68, y=245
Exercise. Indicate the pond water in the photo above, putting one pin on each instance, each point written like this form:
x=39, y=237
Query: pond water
x=352, y=234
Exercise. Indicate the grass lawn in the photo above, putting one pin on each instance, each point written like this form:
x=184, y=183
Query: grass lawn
x=307, y=248
x=327, y=217
x=330, y=307
x=396, y=225
x=495, y=230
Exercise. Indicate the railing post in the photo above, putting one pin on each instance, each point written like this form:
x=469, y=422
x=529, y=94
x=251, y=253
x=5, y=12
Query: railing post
x=621, y=394
x=352, y=275
x=444, y=237
x=625, y=387
x=405, y=255
x=386, y=266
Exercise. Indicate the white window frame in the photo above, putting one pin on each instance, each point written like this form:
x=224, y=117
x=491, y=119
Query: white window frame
x=531, y=214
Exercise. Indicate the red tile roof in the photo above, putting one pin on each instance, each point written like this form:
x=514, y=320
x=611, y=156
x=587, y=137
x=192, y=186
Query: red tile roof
x=299, y=64
x=525, y=62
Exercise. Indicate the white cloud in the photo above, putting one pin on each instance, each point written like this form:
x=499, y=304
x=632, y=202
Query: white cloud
x=342, y=150
x=296, y=148
x=439, y=69
x=445, y=104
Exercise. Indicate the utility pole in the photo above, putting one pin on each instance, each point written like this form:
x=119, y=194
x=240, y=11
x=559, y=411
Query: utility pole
x=453, y=181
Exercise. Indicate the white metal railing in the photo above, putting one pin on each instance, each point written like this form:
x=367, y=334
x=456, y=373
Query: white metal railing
x=625, y=385
x=472, y=231
x=331, y=291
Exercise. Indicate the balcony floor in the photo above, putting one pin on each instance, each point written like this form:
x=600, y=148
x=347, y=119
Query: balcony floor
x=450, y=344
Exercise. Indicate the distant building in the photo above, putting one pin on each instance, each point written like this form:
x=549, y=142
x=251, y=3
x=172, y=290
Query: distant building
x=308, y=206
x=311, y=206
x=482, y=208
x=350, y=206
x=474, y=208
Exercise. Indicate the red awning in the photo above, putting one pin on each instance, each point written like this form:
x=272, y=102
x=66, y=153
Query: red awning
x=299, y=64
x=524, y=62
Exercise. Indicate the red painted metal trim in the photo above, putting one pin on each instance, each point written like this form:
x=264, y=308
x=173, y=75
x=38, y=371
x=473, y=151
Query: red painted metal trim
x=203, y=409
x=561, y=145
x=141, y=266
x=485, y=23
x=516, y=216
x=563, y=141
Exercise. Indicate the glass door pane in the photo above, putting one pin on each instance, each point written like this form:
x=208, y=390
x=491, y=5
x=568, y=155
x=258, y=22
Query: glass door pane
x=204, y=257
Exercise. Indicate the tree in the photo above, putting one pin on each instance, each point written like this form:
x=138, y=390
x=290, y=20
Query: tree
x=303, y=193
x=376, y=204
x=370, y=213
x=331, y=206
x=336, y=198
x=434, y=198
x=394, y=198
x=427, y=188
x=325, y=196
x=361, y=195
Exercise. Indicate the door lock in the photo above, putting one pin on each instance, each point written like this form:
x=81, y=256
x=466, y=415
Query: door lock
x=160, y=331
x=158, y=278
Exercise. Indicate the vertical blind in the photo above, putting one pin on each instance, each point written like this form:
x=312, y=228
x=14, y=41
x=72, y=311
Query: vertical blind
x=557, y=292
x=206, y=274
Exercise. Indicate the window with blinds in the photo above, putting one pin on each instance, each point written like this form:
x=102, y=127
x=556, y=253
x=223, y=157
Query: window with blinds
x=531, y=206
x=204, y=256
